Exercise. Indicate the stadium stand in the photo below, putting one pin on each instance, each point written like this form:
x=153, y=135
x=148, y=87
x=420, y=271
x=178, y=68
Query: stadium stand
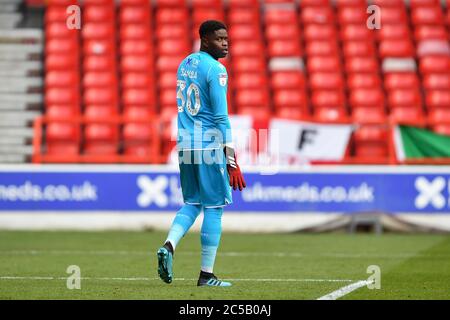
x=109, y=88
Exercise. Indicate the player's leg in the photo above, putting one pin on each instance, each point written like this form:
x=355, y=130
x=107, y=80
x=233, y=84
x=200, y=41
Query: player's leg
x=215, y=194
x=210, y=239
x=184, y=218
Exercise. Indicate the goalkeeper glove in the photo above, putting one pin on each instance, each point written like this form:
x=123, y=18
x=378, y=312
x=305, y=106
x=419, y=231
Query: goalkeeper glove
x=234, y=172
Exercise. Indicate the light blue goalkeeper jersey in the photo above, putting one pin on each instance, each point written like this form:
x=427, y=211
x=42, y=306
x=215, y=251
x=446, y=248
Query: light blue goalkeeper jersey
x=203, y=120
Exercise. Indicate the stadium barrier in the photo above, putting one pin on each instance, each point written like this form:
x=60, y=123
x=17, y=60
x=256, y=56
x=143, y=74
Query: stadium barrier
x=146, y=197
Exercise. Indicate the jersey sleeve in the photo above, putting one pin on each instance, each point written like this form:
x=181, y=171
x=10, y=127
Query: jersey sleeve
x=218, y=83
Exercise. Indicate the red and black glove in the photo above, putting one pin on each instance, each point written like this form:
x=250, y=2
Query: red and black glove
x=234, y=172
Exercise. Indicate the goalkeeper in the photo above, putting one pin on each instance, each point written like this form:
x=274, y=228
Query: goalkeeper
x=207, y=161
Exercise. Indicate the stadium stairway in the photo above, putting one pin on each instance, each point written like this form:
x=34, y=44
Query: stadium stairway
x=21, y=82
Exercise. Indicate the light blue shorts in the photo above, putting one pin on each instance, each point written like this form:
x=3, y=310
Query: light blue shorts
x=204, y=178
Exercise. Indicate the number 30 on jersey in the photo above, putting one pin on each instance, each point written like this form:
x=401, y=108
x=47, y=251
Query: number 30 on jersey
x=189, y=98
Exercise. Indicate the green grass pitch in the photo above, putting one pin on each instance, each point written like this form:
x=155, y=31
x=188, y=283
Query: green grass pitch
x=122, y=265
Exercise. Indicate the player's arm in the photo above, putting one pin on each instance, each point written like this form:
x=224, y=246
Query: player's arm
x=218, y=81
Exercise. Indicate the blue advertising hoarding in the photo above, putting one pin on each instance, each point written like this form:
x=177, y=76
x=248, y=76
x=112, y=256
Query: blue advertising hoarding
x=154, y=188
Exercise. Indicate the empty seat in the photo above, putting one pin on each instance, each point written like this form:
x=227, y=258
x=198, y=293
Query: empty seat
x=356, y=32
x=101, y=139
x=173, y=47
x=251, y=98
x=249, y=64
x=139, y=97
x=286, y=16
x=140, y=140
x=244, y=15
x=62, y=138
x=393, y=31
x=97, y=30
x=431, y=15
x=372, y=97
x=287, y=80
x=430, y=32
x=207, y=13
x=137, y=80
x=361, y=64
x=167, y=80
x=363, y=80
x=330, y=114
x=99, y=112
x=60, y=30
x=437, y=99
x=169, y=63
x=319, y=32
x=434, y=64
x=290, y=98
x=326, y=80
x=407, y=115
x=61, y=78
x=360, y=48
x=135, y=47
x=169, y=15
x=321, y=48
x=317, y=15
x=284, y=48
x=393, y=14
x=245, y=48
x=136, y=63
x=396, y=48
x=252, y=80
x=439, y=81
x=401, y=80
x=64, y=95
x=170, y=31
x=134, y=14
x=99, y=79
x=64, y=62
x=327, y=98
x=98, y=47
x=248, y=31
x=409, y=98
x=134, y=31
x=323, y=64
x=281, y=31
x=63, y=111
x=371, y=141
x=98, y=63
x=98, y=13
x=61, y=45
x=368, y=115
x=352, y=15
x=98, y=96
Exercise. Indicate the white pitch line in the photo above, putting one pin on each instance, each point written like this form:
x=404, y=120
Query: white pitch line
x=176, y=279
x=345, y=290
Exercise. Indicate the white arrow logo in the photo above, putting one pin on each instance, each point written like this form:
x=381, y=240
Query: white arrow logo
x=430, y=192
x=152, y=191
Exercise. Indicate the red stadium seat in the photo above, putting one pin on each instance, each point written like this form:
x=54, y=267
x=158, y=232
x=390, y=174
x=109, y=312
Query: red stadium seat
x=207, y=13
x=314, y=3
x=361, y=65
x=138, y=113
x=63, y=111
x=352, y=15
x=286, y=16
x=394, y=14
x=99, y=112
x=173, y=47
x=437, y=81
x=356, y=32
x=326, y=80
x=168, y=63
x=427, y=32
x=396, y=48
x=64, y=62
x=389, y=3
x=62, y=138
x=100, y=96
x=243, y=15
x=407, y=115
x=94, y=79
x=169, y=15
x=248, y=31
x=420, y=3
x=437, y=99
x=97, y=30
x=167, y=80
x=241, y=4
x=134, y=14
x=56, y=14
x=351, y=3
x=249, y=64
x=439, y=116
x=139, y=97
x=290, y=98
x=393, y=31
x=434, y=64
x=327, y=98
x=281, y=31
x=284, y=48
x=244, y=48
x=137, y=80
x=363, y=81
x=62, y=78
x=431, y=15
x=252, y=80
x=323, y=64
x=371, y=141
x=136, y=63
x=135, y=47
x=330, y=114
x=59, y=30
x=359, y=48
x=101, y=139
x=401, y=80
x=408, y=98
x=291, y=113
x=317, y=15
x=206, y=3
x=287, y=80
x=368, y=115
x=319, y=32
x=372, y=97
x=139, y=140
x=321, y=48
x=97, y=13
x=62, y=46
x=98, y=47
x=170, y=31
x=252, y=98
x=99, y=63
x=67, y=95
x=134, y=31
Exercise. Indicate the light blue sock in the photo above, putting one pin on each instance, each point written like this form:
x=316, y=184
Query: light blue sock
x=183, y=221
x=210, y=237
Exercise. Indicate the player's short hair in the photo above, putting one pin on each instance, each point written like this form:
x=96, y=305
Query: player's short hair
x=209, y=26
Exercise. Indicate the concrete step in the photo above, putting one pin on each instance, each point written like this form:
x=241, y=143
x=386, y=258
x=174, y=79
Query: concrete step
x=16, y=132
x=13, y=158
x=30, y=99
x=20, y=85
x=13, y=140
x=19, y=56
x=8, y=7
x=10, y=20
x=19, y=149
x=30, y=48
x=21, y=35
x=17, y=119
x=13, y=66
